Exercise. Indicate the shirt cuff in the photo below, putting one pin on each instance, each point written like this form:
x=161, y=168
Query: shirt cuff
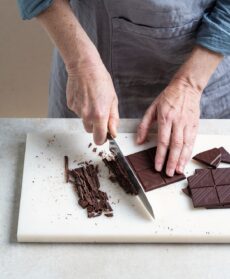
x=29, y=9
x=214, y=32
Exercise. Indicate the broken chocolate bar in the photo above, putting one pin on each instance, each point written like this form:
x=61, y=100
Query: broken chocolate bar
x=142, y=163
x=209, y=188
x=87, y=186
x=213, y=157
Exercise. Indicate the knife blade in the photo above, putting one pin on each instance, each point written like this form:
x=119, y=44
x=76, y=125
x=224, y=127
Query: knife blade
x=115, y=149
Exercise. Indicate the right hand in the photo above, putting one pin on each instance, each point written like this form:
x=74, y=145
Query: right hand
x=91, y=95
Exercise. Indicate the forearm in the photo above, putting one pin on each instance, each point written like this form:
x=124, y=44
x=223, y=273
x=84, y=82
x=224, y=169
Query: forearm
x=198, y=68
x=74, y=45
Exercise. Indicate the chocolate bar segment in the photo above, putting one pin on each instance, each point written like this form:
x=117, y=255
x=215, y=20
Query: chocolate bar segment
x=206, y=196
x=202, y=178
x=224, y=194
x=150, y=179
x=221, y=176
x=140, y=160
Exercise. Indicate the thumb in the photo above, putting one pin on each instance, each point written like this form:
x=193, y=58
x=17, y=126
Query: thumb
x=146, y=123
x=113, y=118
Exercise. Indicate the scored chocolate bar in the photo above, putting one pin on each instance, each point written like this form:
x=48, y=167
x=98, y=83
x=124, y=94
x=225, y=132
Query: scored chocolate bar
x=143, y=162
x=209, y=188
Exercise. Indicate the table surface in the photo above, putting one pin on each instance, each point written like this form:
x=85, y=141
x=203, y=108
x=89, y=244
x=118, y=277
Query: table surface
x=30, y=260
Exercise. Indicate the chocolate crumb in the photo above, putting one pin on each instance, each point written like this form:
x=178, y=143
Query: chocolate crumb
x=109, y=214
x=95, y=149
x=90, y=144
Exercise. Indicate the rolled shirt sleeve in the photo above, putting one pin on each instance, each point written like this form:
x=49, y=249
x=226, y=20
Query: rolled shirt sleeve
x=31, y=8
x=214, y=32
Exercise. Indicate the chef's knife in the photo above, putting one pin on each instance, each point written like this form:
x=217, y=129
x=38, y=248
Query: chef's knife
x=114, y=148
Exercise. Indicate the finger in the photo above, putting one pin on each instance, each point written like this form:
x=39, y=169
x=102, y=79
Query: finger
x=88, y=126
x=176, y=145
x=114, y=119
x=146, y=124
x=100, y=128
x=189, y=139
x=163, y=140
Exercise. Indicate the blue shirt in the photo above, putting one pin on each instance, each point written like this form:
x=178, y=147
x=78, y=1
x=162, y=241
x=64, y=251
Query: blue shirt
x=214, y=32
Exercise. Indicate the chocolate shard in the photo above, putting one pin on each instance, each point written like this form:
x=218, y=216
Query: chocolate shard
x=66, y=168
x=211, y=157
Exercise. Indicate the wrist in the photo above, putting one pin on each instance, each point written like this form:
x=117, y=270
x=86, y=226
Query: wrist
x=198, y=69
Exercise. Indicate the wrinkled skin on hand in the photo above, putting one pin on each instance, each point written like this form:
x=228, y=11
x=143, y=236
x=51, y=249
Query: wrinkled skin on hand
x=91, y=95
x=177, y=112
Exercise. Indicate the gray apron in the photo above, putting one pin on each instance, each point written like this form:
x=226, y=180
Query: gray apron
x=142, y=43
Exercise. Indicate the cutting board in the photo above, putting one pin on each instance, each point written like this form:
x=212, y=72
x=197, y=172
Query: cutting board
x=49, y=211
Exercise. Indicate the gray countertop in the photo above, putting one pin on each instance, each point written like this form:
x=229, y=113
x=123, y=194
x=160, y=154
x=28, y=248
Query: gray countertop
x=30, y=260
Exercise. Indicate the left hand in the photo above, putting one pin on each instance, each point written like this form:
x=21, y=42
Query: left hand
x=177, y=111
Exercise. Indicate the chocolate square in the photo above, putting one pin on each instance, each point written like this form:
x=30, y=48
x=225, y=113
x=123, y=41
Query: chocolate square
x=140, y=160
x=150, y=179
x=221, y=176
x=201, y=178
x=224, y=194
x=203, y=197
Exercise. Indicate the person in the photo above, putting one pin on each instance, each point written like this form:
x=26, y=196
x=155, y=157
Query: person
x=165, y=61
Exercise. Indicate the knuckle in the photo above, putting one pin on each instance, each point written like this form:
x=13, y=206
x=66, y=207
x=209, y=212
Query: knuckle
x=99, y=115
x=164, y=142
x=177, y=142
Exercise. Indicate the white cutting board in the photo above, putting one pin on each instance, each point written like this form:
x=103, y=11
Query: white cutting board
x=49, y=211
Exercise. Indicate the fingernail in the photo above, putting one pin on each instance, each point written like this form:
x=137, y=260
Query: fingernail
x=170, y=172
x=158, y=167
x=181, y=168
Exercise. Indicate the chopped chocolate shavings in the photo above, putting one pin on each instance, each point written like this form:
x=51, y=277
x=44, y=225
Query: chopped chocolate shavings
x=95, y=149
x=86, y=185
x=121, y=175
x=113, y=179
x=101, y=153
x=90, y=144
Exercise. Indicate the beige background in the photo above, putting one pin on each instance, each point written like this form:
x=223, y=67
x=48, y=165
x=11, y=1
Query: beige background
x=25, y=59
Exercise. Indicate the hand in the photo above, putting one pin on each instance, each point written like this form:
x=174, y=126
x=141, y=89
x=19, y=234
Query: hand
x=177, y=113
x=91, y=95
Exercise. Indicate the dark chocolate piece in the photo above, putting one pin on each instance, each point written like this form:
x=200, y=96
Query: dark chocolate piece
x=211, y=157
x=87, y=187
x=142, y=163
x=66, y=166
x=209, y=188
x=150, y=179
x=121, y=175
x=224, y=194
x=90, y=144
x=206, y=196
x=95, y=149
x=202, y=178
